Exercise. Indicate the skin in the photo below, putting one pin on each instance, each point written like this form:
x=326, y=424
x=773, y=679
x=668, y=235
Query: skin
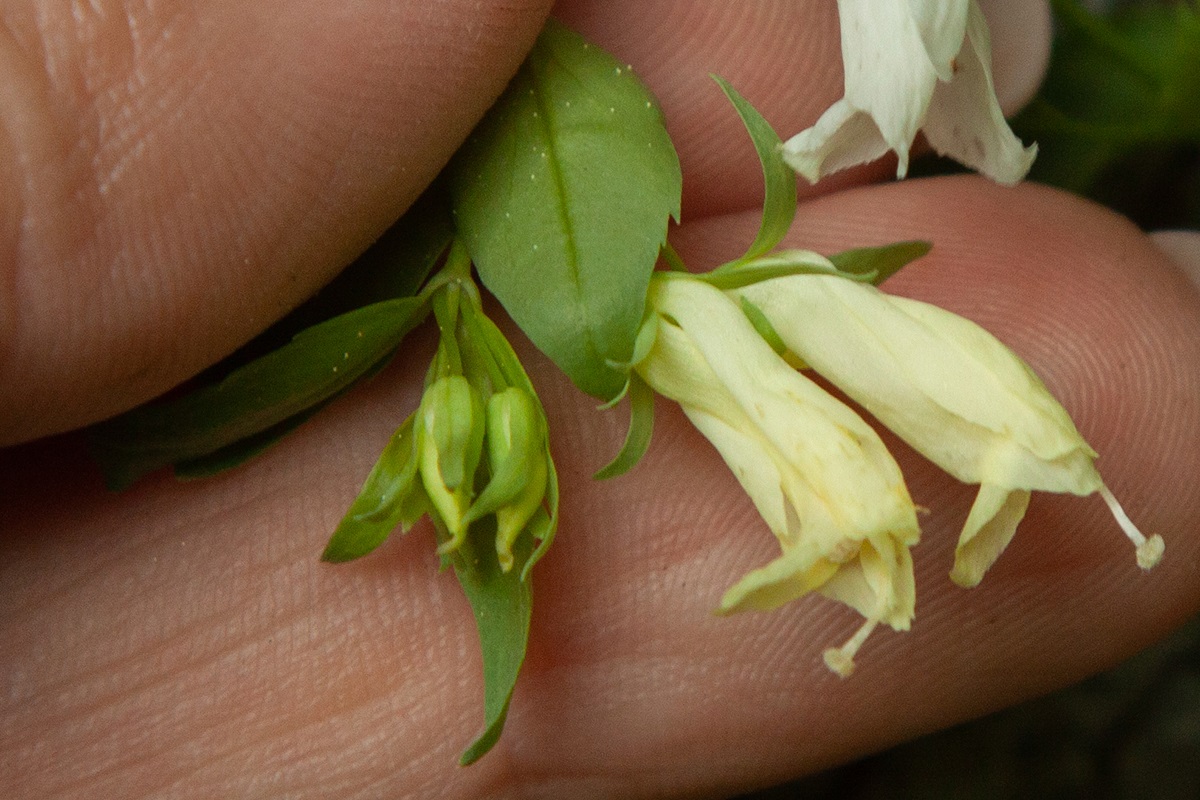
x=182, y=640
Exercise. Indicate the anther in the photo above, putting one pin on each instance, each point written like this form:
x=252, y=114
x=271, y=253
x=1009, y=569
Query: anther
x=1149, y=550
x=841, y=659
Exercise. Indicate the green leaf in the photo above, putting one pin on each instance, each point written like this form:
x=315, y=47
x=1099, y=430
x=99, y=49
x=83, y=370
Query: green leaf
x=877, y=264
x=779, y=180
x=380, y=505
x=562, y=195
x=243, y=450
x=502, y=603
x=641, y=428
x=317, y=364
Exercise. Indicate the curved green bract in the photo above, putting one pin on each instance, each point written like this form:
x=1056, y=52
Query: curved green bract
x=779, y=180
x=641, y=429
x=381, y=504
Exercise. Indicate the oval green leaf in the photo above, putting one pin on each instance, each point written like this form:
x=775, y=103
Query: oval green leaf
x=562, y=195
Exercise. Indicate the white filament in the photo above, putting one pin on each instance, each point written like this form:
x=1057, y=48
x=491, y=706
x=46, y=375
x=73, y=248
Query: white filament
x=841, y=659
x=1149, y=551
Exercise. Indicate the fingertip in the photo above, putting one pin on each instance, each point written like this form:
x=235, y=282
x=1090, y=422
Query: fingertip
x=1183, y=248
x=1021, y=34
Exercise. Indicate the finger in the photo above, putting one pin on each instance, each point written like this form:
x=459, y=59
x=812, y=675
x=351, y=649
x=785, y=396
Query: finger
x=182, y=639
x=1184, y=249
x=785, y=57
x=171, y=181
x=212, y=169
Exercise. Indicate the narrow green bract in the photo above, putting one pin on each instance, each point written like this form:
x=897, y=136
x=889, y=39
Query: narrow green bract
x=502, y=603
x=562, y=196
x=779, y=180
x=319, y=363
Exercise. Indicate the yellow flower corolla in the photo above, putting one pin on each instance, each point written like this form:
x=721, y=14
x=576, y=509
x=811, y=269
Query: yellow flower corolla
x=818, y=474
x=953, y=392
x=913, y=65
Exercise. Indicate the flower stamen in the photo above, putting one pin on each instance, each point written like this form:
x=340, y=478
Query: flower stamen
x=1149, y=550
x=841, y=659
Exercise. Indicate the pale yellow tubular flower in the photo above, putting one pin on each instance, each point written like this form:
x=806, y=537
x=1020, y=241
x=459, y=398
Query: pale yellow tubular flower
x=818, y=474
x=913, y=65
x=953, y=392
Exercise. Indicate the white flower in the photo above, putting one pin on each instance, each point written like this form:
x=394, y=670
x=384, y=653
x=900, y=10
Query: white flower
x=913, y=65
x=953, y=392
x=820, y=476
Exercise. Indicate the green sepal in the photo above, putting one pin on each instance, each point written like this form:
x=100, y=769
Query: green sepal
x=380, y=505
x=641, y=429
x=492, y=364
x=448, y=360
x=877, y=264
x=317, y=364
x=502, y=603
x=779, y=180
x=544, y=524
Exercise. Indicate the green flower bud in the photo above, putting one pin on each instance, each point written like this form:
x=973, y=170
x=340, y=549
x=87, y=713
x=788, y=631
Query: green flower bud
x=516, y=444
x=452, y=428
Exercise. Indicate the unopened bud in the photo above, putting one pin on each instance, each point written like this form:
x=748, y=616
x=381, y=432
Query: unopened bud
x=452, y=426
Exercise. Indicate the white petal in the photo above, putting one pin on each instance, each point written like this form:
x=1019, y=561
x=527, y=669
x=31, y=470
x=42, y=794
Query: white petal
x=942, y=25
x=940, y=382
x=989, y=528
x=964, y=120
x=752, y=465
x=843, y=137
x=789, y=577
x=887, y=69
x=835, y=469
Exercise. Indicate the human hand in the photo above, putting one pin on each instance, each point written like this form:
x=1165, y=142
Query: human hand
x=182, y=640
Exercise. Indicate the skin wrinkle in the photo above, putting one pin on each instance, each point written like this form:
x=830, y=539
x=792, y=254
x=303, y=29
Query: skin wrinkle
x=12, y=202
x=716, y=155
x=166, y=180
x=215, y=656
x=1025, y=629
